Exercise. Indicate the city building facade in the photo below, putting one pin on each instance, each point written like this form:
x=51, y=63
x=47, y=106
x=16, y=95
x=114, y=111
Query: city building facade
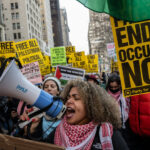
x=56, y=23
x=99, y=34
x=47, y=32
x=22, y=19
x=65, y=27
x=2, y=31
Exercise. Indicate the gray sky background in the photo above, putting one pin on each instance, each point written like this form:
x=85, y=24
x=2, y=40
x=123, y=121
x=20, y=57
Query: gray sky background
x=78, y=19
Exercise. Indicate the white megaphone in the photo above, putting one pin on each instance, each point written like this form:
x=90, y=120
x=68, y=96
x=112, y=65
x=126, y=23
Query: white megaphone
x=14, y=84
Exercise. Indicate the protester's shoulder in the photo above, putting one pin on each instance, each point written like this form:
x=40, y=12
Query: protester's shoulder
x=118, y=141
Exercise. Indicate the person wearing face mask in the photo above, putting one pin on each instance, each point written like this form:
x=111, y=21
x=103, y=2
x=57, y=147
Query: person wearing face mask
x=113, y=87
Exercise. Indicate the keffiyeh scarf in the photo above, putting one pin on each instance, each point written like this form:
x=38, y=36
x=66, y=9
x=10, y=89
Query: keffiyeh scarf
x=124, y=105
x=80, y=137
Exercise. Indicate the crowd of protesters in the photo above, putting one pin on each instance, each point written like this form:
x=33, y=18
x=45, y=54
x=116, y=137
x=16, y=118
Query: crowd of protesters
x=97, y=116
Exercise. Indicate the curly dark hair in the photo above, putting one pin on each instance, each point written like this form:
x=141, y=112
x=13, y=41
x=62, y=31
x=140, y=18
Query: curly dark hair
x=100, y=106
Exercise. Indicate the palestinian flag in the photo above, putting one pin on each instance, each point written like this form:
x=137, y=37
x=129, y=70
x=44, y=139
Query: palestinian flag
x=58, y=74
x=129, y=10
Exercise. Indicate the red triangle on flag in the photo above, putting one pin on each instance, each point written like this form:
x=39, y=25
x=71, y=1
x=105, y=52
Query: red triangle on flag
x=58, y=73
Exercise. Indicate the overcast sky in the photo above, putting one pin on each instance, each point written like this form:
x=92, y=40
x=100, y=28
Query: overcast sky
x=78, y=19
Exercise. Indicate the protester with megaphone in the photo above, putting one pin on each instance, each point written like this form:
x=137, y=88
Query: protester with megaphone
x=14, y=84
x=89, y=120
x=45, y=124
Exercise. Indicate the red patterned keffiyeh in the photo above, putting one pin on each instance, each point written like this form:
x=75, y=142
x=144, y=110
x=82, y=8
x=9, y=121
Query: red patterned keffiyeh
x=105, y=134
x=80, y=137
x=124, y=105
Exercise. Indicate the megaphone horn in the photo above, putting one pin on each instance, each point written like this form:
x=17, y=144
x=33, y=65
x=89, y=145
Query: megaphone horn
x=14, y=84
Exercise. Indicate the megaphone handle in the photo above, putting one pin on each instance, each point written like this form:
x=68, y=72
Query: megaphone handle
x=23, y=124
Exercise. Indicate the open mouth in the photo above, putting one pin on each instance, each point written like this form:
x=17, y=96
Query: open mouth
x=70, y=112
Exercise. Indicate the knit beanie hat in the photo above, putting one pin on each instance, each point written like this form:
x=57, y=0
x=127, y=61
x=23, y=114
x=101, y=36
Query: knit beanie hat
x=55, y=80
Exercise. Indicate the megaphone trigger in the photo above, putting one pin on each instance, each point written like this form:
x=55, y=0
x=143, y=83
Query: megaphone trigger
x=22, y=124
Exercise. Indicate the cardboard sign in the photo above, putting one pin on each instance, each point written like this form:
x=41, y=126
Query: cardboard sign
x=70, y=50
x=79, y=60
x=13, y=143
x=114, y=65
x=7, y=49
x=46, y=69
x=111, y=50
x=58, y=56
x=69, y=73
x=29, y=51
x=132, y=42
x=92, y=63
x=32, y=72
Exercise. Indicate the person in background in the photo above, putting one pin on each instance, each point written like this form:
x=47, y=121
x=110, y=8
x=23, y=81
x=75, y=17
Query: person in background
x=8, y=114
x=91, y=78
x=91, y=120
x=138, y=137
x=47, y=124
x=103, y=80
x=113, y=88
x=97, y=76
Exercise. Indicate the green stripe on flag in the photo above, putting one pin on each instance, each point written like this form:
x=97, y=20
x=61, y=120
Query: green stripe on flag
x=129, y=10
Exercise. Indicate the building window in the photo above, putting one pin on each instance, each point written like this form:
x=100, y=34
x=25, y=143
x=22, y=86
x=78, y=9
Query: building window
x=18, y=25
x=12, y=6
x=15, y=36
x=19, y=35
x=17, y=15
x=16, y=5
x=31, y=20
x=14, y=26
x=3, y=17
x=13, y=15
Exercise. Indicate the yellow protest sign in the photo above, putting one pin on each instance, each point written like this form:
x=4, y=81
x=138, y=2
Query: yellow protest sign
x=92, y=63
x=132, y=42
x=114, y=65
x=28, y=51
x=79, y=56
x=7, y=50
x=58, y=56
x=46, y=68
x=78, y=60
x=70, y=50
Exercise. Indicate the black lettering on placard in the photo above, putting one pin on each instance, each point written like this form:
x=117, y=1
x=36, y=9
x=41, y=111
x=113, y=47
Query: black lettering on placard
x=6, y=45
x=22, y=46
x=128, y=72
x=136, y=34
x=146, y=36
x=122, y=55
x=145, y=70
x=146, y=51
x=137, y=90
x=130, y=53
x=137, y=54
x=90, y=61
x=120, y=37
x=130, y=57
x=32, y=43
